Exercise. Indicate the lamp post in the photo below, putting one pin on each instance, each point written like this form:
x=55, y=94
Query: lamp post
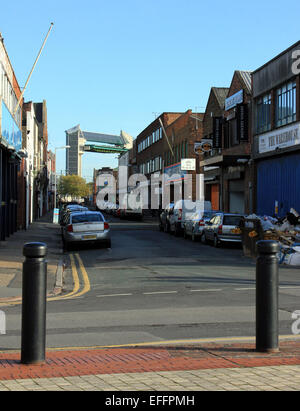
x=57, y=148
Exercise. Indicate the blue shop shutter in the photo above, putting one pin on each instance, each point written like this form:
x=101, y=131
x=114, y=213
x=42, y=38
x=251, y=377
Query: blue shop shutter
x=278, y=179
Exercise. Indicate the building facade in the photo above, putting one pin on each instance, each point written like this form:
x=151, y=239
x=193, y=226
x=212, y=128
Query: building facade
x=276, y=134
x=210, y=160
x=10, y=145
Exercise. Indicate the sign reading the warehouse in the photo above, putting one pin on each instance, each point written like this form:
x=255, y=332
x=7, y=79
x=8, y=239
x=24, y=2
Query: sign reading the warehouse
x=282, y=138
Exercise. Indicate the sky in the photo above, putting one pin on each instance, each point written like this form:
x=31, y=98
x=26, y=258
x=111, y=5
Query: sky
x=116, y=65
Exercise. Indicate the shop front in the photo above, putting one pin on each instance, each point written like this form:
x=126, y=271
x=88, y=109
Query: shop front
x=10, y=144
x=278, y=172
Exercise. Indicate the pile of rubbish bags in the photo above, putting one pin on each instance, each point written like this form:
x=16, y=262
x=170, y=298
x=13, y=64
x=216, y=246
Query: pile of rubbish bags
x=286, y=231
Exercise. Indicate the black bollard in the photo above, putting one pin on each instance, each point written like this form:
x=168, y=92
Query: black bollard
x=34, y=289
x=267, y=296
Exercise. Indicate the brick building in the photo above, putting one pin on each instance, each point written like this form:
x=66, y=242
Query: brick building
x=157, y=153
x=211, y=131
x=182, y=135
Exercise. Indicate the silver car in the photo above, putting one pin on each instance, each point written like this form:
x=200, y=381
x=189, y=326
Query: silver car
x=223, y=227
x=88, y=227
x=194, y=226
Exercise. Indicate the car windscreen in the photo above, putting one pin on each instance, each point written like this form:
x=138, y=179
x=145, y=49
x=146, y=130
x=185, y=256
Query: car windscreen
x=231, y=220
x=87, y=218
x=208, y=214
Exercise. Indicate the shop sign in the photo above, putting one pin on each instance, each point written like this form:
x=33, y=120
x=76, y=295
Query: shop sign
x=203, y=146
x=234, y=100
x=282, y=138
x=174, y=173
x=242, y=122
x=11, y=134
x=217, y=132
x=188, y=164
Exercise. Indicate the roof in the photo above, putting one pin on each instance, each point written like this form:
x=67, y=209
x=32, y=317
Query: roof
x=295, y=45
x=221, y=94
x=246, y=79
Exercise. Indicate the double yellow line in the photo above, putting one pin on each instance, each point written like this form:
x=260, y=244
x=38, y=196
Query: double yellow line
x=77, y=291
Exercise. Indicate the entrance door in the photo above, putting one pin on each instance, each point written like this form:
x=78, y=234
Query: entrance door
x=236, y=196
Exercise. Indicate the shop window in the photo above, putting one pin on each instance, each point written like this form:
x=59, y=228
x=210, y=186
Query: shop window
x=263, y=113
x=285, y=108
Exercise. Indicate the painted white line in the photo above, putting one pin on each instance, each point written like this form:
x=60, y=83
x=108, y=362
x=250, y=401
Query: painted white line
x=241, y=289
x=161, y=292
x=113, y=295
x=207, y=289
x=289, y=286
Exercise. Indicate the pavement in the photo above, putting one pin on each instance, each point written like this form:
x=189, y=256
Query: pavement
x=229, y=364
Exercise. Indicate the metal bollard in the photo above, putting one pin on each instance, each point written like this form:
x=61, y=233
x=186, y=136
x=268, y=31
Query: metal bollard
x=34, y=289
x=267, y=296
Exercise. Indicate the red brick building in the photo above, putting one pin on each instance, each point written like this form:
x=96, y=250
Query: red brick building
x=227, y=171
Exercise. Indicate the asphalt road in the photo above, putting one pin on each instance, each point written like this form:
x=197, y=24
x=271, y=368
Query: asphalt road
x=152, y=287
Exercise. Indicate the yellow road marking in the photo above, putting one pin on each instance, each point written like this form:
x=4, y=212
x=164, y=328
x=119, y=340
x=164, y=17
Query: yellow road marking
x=73, y=294
x=166, y=342
x=87, y=285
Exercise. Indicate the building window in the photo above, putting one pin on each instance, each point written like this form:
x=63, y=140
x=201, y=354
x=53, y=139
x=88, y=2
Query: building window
x=263, y=113
x=233, y=138
x=285, y=108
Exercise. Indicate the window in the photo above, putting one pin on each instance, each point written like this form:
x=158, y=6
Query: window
x=285, y=106
x=263, y=113
x=233, y=138
x=86, y=218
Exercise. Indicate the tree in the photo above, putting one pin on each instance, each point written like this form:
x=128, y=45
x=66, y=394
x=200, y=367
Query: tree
x=73, y=186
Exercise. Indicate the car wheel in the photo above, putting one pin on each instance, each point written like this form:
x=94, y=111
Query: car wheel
x=108, y=244
x=216, y=241
x=203, y=239
x=67, y=246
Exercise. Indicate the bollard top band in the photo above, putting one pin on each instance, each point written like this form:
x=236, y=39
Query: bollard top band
x=268, y=247
x=35, y=249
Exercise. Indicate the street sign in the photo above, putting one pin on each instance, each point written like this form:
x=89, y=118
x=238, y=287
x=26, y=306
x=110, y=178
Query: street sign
x=55, y=215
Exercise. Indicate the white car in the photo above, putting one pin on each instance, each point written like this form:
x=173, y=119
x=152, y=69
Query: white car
x=86, y=227
x=183, y=210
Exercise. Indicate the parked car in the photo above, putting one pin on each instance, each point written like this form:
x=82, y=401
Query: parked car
x=164, y=224
x=183, y=210
x=87, y=227
x=194, y=226
x=126, y=210
x=223, y=227
x=68, y=209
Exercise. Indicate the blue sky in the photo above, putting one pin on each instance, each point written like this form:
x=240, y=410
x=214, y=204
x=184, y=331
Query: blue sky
x=110, y=65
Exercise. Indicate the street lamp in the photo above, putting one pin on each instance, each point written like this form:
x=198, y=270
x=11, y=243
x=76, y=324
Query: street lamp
x=57, y=148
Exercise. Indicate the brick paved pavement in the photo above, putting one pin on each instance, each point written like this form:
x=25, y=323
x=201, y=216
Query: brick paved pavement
x=196, y=367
